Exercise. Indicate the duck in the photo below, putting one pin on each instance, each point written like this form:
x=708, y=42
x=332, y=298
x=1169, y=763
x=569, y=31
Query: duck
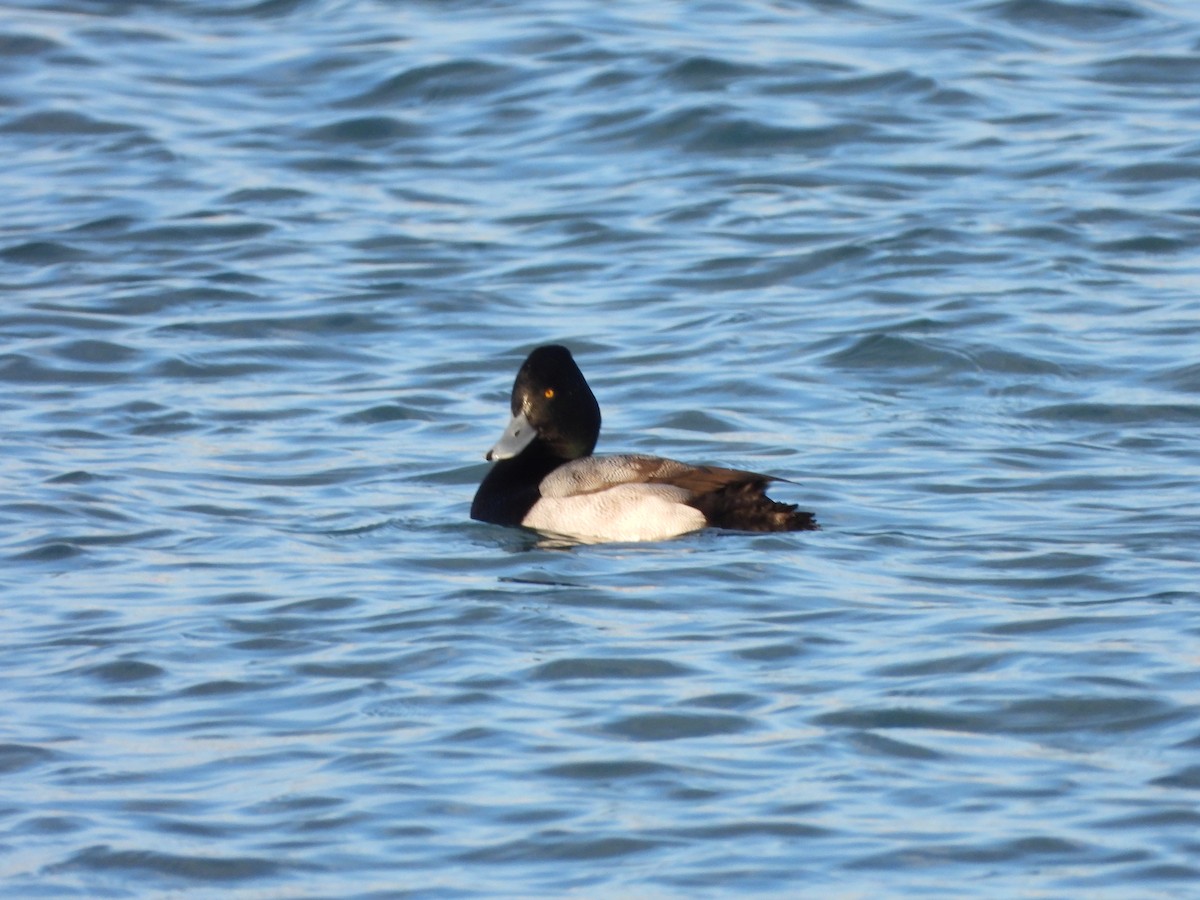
x=544, y=477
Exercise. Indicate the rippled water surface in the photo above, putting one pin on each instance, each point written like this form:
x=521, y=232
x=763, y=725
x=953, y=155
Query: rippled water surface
x=268, y=270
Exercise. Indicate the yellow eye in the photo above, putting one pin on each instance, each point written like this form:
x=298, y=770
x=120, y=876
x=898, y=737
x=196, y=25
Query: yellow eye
x=549, y=393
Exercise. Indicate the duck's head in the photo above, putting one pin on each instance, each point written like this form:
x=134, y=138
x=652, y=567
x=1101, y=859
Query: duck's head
x=551, y=405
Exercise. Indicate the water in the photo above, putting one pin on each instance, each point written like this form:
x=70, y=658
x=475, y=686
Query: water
x=268, y=270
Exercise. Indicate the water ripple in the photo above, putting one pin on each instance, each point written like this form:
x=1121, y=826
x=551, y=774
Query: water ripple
x=269, y=268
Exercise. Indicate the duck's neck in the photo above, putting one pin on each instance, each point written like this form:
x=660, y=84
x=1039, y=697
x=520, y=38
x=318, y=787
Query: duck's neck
x=510, y=489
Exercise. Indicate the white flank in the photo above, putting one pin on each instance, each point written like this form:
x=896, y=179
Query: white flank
x=625, y=512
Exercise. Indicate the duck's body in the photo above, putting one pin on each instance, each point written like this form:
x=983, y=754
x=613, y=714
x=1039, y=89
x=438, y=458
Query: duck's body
x=545, y=477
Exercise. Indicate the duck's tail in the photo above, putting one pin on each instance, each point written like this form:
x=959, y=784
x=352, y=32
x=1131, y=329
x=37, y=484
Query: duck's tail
x=745, y=506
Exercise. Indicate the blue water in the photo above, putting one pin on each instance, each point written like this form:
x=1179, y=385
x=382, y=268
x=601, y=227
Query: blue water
x=268, y=269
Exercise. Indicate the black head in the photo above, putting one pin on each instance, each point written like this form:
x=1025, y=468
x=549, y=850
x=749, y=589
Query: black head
x=553, y=405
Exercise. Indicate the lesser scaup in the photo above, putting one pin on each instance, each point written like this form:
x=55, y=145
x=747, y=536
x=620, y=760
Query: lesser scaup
x=545, y=478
